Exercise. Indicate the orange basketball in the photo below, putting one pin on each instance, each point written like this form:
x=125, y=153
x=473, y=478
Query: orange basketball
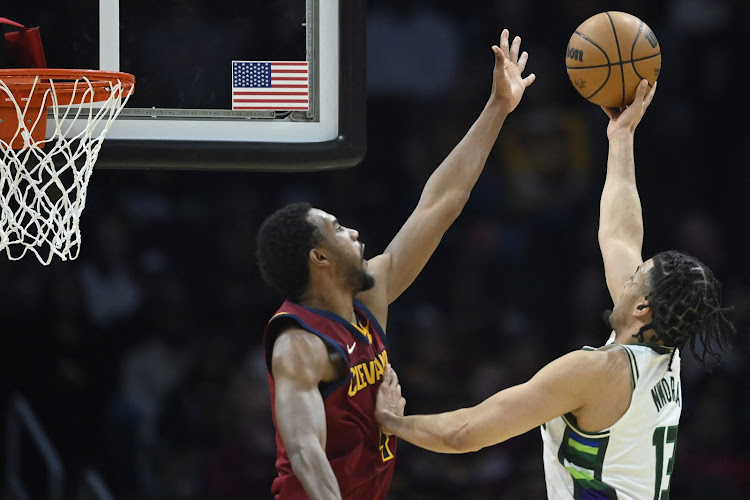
x=609, y=54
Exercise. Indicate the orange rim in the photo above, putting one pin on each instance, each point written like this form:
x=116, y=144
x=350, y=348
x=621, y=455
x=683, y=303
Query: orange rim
x=31, y=90
x=68, y=83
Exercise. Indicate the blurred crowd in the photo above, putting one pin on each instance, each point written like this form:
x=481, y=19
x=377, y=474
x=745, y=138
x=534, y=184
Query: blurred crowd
x=143, y=358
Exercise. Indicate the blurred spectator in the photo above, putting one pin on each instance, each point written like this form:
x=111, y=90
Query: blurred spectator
x=107, y=274
x=413, y=50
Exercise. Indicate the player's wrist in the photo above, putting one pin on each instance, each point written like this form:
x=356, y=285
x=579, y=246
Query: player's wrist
x=624, y=134
x=385, y=419
x=498, y=105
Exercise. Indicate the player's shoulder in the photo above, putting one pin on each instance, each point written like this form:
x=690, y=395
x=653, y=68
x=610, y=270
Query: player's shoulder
x=597, y=361
x=294, y=344
x=588, y=372
x=299, y=353
x=292, y=338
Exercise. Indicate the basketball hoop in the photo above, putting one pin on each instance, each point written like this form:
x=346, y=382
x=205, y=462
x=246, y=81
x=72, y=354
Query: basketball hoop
x=43, y=180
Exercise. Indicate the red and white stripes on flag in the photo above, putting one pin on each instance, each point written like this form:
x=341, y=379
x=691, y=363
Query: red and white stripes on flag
x=270, y=85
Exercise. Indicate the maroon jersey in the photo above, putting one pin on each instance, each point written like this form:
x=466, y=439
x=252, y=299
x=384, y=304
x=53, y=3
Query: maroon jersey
x=361, y=457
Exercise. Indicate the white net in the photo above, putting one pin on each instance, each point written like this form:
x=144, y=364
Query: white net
x=43, y=182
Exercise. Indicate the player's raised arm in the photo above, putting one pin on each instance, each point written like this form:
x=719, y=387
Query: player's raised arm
x=620, y=218
x=300, y=363
x=448, y=188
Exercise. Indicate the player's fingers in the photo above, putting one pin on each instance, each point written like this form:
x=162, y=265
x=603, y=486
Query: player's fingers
x=529, y=80
x=640, y=92
x=504, y=42
x=650, y=95
x=388, y=375
x=639, y=99
x=515, y=47
x=394, y=376
x=522, y=61
x=499, y=56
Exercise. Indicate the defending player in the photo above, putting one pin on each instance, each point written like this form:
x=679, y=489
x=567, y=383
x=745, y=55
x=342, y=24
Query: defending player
x=326, y=350
x=608, y=416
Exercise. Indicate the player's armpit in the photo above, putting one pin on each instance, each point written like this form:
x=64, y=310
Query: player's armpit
x=300, y=363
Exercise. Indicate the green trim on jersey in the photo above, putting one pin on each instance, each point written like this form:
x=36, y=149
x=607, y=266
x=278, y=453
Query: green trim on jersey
x=634, y=374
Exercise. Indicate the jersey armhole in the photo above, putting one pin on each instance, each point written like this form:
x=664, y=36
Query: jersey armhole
x=281, y=322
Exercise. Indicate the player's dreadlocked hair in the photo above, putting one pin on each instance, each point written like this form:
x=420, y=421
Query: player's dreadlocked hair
x=685, y=301
x=283, y=243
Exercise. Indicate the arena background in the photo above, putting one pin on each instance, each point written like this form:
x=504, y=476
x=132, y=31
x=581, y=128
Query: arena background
x=143, y=358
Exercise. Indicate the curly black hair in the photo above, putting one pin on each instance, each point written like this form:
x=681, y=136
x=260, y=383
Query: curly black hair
x=685, y=301
x=283, y=243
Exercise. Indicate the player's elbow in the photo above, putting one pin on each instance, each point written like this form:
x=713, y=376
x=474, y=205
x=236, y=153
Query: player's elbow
x=455, y=203
x=614, y=242
x=606, y=236
x=303, y=455
x=623, y=231
x=461, y=439
x=445, y=207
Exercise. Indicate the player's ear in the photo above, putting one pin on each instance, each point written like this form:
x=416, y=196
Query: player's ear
x=318, y=257
x=642, y=309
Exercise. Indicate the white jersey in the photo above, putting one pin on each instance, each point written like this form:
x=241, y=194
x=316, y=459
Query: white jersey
x=634, y=458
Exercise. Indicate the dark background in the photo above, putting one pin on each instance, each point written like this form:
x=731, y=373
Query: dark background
x=143, y=358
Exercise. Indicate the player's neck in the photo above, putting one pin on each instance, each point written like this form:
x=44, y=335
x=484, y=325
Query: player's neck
x=629, y=336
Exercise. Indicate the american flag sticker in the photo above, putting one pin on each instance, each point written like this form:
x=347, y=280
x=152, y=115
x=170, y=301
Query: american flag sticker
x=271, y=85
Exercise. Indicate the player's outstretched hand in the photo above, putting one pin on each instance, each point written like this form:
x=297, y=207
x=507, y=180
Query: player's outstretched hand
x=629, y=117
x=389, y=401
x=507, y=83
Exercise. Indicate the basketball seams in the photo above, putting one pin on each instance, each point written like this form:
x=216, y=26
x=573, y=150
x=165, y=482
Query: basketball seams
x=632, y=52
x=619, y=53
x=645, y=58
x=606, y=56
x=635, y=41
x=604, y=52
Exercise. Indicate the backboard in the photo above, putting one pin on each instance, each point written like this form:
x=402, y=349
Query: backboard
x=192, y=60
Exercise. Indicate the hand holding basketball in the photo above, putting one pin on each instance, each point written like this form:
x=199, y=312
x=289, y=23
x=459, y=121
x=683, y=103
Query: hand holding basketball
x=628, y=118
x=507, y=83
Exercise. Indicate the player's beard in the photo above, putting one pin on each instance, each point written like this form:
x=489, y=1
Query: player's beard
x=356, y=278
x=362, y=281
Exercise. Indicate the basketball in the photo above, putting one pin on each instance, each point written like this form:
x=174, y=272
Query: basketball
x=609, y=54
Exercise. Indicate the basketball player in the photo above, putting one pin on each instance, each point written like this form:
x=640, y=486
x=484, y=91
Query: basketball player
x=326, y=349
x=608, y=416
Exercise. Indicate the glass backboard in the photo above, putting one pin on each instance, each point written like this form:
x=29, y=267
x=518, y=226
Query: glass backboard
x=201, y=70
